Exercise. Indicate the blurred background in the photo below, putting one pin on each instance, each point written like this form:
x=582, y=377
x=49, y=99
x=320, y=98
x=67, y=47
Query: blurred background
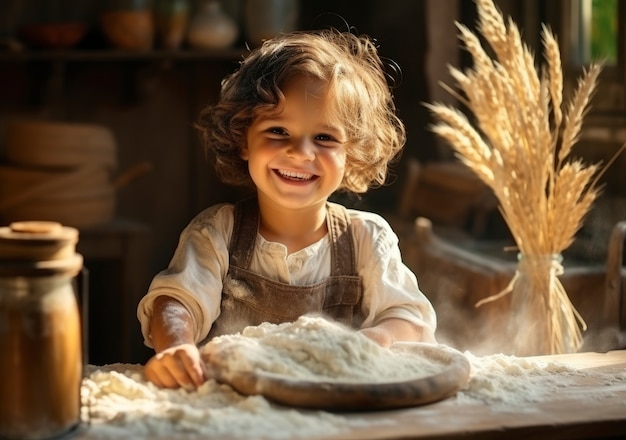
x=98, y=100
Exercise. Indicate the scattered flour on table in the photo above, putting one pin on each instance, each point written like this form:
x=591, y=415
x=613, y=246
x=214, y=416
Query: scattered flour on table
x=330, y=352
x=119, y=402
x=512, y=383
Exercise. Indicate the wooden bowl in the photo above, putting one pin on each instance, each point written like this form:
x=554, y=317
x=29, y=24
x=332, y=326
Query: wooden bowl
x=59, y=144
x=55, y=36
x=351, y=396
x=128, y=29
x=79, y=197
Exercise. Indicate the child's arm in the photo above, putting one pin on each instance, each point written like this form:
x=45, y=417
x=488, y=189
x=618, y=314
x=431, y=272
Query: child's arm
x=177, y=359
x=393, y=330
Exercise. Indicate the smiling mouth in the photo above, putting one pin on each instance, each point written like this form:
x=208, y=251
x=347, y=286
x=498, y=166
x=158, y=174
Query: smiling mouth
x=295, y=176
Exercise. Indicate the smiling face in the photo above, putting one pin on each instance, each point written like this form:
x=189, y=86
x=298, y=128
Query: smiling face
x=296, y=155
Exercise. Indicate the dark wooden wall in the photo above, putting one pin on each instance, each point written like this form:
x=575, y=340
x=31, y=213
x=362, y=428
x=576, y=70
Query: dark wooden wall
x=151, y=104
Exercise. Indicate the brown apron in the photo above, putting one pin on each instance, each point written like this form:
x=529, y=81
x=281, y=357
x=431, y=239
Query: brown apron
x=251, y=299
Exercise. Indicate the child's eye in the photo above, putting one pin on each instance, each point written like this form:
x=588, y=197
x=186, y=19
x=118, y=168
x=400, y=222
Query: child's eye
x=327, y=140
x=326, y=137
x=277, y=130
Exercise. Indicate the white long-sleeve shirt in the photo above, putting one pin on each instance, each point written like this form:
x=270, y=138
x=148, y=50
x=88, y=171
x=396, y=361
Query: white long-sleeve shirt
x=200, y=263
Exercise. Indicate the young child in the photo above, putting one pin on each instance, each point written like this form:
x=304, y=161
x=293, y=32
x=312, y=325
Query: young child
x=305, y=115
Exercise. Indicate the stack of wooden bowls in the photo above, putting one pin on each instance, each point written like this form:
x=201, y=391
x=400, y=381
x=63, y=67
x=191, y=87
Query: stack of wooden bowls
x=58, y=171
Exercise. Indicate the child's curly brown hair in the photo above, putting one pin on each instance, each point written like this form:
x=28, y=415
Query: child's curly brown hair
x=361, y=100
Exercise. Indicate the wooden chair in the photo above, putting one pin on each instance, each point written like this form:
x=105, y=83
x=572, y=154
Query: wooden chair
x=615, y=289
x=449, y=194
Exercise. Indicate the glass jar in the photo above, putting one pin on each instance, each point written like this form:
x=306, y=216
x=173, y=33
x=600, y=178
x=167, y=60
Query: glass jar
x=40, y=331
x=543, y=321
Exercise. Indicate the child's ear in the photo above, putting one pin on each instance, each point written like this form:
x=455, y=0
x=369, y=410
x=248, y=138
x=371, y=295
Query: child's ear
x=244, y=152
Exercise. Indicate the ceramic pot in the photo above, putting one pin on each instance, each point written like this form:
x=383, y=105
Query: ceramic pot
x=212, y=28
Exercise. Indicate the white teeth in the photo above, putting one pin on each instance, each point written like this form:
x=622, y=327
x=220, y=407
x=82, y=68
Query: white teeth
x=295, y=175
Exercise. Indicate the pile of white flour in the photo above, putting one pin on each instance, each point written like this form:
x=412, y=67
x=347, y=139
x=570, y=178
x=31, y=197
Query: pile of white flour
x=316, y=349
x=119, y=402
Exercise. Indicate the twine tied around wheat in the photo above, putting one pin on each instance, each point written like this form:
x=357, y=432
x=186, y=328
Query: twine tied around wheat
x=540, y=307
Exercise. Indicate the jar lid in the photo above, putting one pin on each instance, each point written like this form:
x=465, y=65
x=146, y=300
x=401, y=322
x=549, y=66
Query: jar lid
x=39, y=246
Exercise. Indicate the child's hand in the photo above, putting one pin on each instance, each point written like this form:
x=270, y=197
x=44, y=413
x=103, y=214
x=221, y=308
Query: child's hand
x=174, y=367
x=379, y=335
x=391, y=330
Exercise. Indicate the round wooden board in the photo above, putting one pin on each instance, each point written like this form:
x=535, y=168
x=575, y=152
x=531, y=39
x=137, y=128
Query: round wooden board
x=355, y=396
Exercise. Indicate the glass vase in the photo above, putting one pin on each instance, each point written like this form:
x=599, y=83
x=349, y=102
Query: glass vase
x=543, y=320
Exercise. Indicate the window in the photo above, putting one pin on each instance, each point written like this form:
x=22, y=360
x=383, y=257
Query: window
x=594, y=31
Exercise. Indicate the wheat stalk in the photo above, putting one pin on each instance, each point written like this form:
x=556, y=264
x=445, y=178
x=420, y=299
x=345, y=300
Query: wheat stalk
x=520, y=146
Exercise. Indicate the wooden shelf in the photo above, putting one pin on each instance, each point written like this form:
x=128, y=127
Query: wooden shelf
x=49, y=70
x=107, y=55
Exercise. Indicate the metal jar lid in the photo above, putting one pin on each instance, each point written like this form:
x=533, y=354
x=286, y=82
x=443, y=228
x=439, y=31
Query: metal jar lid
x=38, y=248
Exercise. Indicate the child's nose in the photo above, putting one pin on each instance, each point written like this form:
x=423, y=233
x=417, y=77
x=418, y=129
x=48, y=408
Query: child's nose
x=303, y=149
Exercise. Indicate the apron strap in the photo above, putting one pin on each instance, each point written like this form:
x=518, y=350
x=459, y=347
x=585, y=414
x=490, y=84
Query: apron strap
x=246, y=225
x=343, y=258
x=245, y=229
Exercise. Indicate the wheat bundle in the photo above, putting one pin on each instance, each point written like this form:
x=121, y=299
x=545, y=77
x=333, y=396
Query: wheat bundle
x=521, y=148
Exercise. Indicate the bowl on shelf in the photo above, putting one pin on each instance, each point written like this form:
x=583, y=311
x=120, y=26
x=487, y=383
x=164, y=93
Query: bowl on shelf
x=55, y=36
x=131, y=30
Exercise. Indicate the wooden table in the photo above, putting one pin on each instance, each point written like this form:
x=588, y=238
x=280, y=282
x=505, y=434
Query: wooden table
x=564, y=416
x=587, y=410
